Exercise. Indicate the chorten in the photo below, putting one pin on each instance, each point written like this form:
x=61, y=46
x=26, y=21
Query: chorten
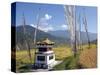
x=44, y=56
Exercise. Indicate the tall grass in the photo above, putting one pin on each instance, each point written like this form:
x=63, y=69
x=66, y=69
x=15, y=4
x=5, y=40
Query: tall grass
x=22, y=59
x=61, y=52
x=86, y=58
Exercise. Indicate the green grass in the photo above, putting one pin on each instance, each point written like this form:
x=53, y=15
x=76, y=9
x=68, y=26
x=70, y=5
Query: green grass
x=63, y=53
x=68, y=63
x=85, y=58
x=22, y=59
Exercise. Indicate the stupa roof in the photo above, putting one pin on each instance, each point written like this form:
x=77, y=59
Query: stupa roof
x=46, y=41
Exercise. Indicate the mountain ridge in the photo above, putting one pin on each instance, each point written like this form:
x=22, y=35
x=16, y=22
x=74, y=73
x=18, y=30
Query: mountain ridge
x=59, y=38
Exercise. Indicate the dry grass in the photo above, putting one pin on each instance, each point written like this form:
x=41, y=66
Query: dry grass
x=62, y=52
x=88, y=57
x=22, y=58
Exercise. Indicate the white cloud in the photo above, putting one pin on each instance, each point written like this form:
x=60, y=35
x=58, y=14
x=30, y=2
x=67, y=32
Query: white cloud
x=46, y=29
x=33, y=25
x=48, y=17
x=44, y=20
x=43, y=28
x=43, y=23
x=64, y=26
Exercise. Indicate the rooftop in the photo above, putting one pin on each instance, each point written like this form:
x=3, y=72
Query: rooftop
x=46, y=41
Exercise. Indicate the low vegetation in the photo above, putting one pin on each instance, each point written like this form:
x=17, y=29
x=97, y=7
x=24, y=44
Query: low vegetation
x=61, y=52
x=22, y=59
x=86, y=58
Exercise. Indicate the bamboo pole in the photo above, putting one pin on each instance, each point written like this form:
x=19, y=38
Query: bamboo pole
x=86, y=29
x=25, y=38
x=70, y=16
x=35, y=33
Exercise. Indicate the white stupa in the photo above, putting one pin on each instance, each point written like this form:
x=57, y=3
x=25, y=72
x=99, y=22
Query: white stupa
x=44, y=56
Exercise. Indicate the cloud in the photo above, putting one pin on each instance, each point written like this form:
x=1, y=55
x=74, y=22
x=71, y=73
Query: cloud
x=48, y=17
x=43, y=28
x=44, y=20
x=43, y=23
x=46, y=29
x=33, y=25
x=64, y=26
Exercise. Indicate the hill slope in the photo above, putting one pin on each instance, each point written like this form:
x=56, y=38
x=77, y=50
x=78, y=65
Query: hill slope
x=65, y=34
x=29, y=35
x=59, y=37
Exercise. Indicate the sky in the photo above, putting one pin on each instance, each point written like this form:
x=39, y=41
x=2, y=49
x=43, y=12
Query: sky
x=51, y=16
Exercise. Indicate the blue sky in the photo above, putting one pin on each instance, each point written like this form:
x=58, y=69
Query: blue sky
x=52, y=16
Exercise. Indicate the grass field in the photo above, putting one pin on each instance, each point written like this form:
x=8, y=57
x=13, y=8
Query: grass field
x=85, y=59
x=88, y=57
x=22, y=59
